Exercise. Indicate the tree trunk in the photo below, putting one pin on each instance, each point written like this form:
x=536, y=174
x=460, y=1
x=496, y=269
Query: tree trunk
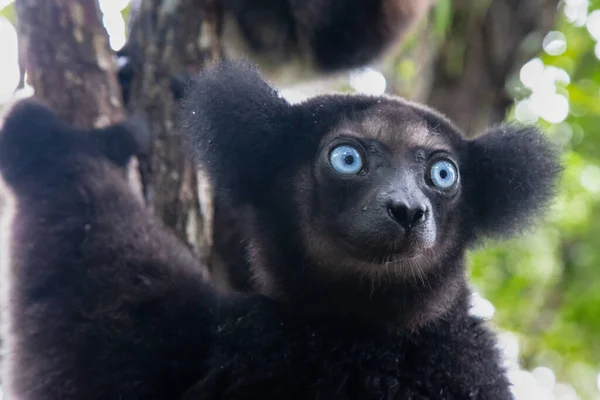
x=65, y=50
x=168, y=38
x=487, y=43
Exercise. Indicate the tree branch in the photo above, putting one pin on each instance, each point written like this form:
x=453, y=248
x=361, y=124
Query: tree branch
x=66, y=53
x=484, y=50
x=168, y=38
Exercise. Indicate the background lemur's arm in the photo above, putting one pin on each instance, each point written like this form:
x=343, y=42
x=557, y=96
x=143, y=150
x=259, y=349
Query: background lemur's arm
x=295, y=40
x=328, y=35
x=101, y=300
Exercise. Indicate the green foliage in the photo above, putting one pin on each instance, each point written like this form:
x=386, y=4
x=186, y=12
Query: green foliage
x=8, y=12
x=125, y=13
x=546, y=284
x=442, y=15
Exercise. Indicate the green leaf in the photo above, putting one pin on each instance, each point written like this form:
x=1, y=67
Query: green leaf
x=9, y=13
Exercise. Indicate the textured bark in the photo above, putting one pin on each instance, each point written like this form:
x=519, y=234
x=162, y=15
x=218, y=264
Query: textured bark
x=167, y=38
x=484, y=48
x=65, y=50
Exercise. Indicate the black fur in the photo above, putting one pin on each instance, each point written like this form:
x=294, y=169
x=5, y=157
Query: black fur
x=496, y=160
x=112, y=285
x=117, y=143
x=105, y=303
x=296, y=40
x=332, y=35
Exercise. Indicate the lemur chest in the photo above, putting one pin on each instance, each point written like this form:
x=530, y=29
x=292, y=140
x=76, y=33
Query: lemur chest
x=309, y=365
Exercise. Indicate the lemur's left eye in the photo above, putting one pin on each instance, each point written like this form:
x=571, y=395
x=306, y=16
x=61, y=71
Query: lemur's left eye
x=443, y=174
x=346, y=160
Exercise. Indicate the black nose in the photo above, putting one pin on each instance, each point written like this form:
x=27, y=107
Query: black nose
x=409, y=216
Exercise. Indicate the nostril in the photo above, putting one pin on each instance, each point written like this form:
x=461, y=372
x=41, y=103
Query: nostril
x=399, y=212
x=407, y=216
x=418, y=217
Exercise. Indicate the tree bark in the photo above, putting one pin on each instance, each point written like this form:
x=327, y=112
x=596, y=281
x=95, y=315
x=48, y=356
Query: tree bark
x=484, y=48
x=65, y=50
x=168, y=38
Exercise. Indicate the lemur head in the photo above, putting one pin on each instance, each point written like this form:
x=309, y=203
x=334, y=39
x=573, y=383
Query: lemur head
x=119, y=144
x=360, y=189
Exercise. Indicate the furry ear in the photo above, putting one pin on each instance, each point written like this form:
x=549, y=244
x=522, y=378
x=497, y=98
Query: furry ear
x=234, y=119
x=120, y=142
x=511, y=177
x=37, y=146
x=31, y=140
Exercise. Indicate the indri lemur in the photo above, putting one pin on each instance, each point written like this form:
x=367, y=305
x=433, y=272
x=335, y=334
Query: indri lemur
x=360, y=211
x=291, y=41
x=298, y=40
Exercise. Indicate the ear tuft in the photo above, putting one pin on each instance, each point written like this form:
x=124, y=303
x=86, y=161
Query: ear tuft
x=233, y=117
x=27, y=120
x=511, y=179
x=122, y=141
x=29, y=139
x=36, y=146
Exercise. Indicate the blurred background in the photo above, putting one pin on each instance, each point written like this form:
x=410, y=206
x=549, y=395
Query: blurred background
x=542, y=290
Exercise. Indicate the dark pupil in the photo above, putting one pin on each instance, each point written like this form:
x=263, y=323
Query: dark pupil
x=443, y=174
x=349, y=159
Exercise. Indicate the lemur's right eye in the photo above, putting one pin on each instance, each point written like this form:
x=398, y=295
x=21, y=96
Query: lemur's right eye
x=346, y=159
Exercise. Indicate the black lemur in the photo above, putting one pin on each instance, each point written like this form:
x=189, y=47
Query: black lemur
x=291, y=41
x=360, y=211
x=298, y=40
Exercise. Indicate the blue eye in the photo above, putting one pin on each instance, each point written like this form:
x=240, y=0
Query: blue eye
x=346, y=160
x=443, y=174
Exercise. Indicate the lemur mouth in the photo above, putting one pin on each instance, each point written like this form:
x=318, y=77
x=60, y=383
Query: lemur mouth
x=399, y=257
x=405, y=249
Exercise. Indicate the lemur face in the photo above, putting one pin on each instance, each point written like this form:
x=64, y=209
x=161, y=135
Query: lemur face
x=383, y=190
x=345, y=185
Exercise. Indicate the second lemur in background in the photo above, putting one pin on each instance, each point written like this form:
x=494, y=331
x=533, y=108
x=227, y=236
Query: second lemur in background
x=298, y=40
